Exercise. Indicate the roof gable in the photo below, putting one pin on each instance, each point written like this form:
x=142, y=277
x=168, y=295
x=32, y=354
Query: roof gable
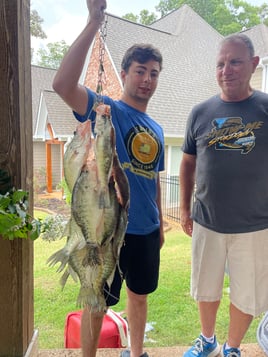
x=177, y=21
x=48, y=107
x=42, y=79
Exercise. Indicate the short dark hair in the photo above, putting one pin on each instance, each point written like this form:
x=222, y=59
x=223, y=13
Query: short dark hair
x=141, y=53
x=241, y=37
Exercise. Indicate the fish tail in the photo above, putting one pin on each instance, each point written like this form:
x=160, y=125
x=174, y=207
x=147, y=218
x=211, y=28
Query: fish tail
x=87, y=297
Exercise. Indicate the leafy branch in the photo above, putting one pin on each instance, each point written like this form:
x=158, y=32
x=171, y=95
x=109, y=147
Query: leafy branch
x=15, y=222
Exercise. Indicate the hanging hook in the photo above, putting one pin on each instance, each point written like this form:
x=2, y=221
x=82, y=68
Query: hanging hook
x=101, y=72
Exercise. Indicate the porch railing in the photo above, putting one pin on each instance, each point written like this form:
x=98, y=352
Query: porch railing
x=170, y=196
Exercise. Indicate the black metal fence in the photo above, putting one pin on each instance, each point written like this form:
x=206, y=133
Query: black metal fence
x=170, y=196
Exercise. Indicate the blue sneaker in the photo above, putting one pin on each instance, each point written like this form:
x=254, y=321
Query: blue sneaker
x=202, y=348
x=231, y=352
x=126, y=353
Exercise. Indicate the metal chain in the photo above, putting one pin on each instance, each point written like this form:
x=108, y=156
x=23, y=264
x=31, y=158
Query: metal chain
x=103, y=35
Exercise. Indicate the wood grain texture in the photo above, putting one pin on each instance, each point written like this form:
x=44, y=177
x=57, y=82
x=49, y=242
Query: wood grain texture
x=16, y=257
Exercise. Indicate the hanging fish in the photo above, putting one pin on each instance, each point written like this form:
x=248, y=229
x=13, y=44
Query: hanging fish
x=76, y=153
x=104, y=148
x=74, y=159
x=99, y=211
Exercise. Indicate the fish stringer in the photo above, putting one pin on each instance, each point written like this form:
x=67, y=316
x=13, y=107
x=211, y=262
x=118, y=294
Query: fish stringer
x=101, y=72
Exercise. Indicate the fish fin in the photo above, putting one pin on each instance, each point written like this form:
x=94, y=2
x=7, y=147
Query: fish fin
x=64, y=278
x=68, y=271
x=59, y=256
x=73, y=273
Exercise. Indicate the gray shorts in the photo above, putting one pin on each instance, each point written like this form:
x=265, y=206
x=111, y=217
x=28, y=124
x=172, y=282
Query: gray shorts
x=246, y=257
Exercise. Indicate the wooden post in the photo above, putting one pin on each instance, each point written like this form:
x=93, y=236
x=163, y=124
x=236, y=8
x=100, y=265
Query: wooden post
x=49, y=167
x=16, y=257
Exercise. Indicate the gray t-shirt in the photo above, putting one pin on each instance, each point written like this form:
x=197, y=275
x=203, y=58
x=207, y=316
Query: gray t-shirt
x=230, y=141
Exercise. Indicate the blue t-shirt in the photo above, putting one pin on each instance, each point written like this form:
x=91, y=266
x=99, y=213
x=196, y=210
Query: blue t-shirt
x=140, y=148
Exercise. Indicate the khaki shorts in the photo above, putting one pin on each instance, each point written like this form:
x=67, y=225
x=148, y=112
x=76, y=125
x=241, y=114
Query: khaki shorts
x=246, y=255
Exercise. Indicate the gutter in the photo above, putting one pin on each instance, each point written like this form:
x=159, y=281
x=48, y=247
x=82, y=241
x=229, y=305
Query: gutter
x=264, y=65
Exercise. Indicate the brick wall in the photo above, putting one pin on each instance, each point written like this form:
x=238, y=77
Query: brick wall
x=111, y=83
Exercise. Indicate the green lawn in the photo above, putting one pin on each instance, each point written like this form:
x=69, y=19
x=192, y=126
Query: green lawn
x=172, y=312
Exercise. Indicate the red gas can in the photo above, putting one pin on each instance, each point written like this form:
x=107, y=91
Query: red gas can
x=114, y=331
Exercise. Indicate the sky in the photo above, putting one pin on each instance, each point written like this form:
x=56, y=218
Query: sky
x=65, y=19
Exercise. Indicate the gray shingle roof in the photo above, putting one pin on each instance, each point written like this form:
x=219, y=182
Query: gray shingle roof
x=58, y=113
x=175, y=21
x=259, y=36
x=42, y=79
x=60, y=116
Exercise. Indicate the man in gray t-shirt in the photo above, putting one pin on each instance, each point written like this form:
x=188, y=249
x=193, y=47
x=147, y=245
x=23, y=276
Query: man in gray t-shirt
x=225, y=159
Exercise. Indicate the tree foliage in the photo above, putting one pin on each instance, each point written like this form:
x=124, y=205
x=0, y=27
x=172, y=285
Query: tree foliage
x=263, y=13
x=51, y=56
x=144, y=17
x=36, y=25
x=226, y=16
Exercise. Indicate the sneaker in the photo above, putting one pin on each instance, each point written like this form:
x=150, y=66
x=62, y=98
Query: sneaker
x=231, y=352
x=202, y=348
x=126, y=353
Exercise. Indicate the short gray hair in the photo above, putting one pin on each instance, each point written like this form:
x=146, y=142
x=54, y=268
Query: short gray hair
x=240, y=37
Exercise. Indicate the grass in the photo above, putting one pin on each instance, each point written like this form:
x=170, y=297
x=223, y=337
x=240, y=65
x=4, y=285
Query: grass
x=172, y=312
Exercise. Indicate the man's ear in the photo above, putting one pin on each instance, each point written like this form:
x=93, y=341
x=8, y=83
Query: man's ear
x=123, y=76
x=255, y=61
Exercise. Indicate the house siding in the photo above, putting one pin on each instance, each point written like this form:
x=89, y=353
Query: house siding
x=57, y=165
x=39, y=162
x=256, y=79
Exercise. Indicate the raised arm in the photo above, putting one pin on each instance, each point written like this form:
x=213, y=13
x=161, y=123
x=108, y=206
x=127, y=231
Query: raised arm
x=66, y=81
x=187, y=182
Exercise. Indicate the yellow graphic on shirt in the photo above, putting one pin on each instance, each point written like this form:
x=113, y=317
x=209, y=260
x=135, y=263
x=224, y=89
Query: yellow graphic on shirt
x=232, y=134
x=143, y=148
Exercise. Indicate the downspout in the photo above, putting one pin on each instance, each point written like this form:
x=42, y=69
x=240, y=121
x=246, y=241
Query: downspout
x=264, y=66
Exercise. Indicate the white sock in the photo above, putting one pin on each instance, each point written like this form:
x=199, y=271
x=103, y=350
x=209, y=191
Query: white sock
x=209, y=339
x=227, y=347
